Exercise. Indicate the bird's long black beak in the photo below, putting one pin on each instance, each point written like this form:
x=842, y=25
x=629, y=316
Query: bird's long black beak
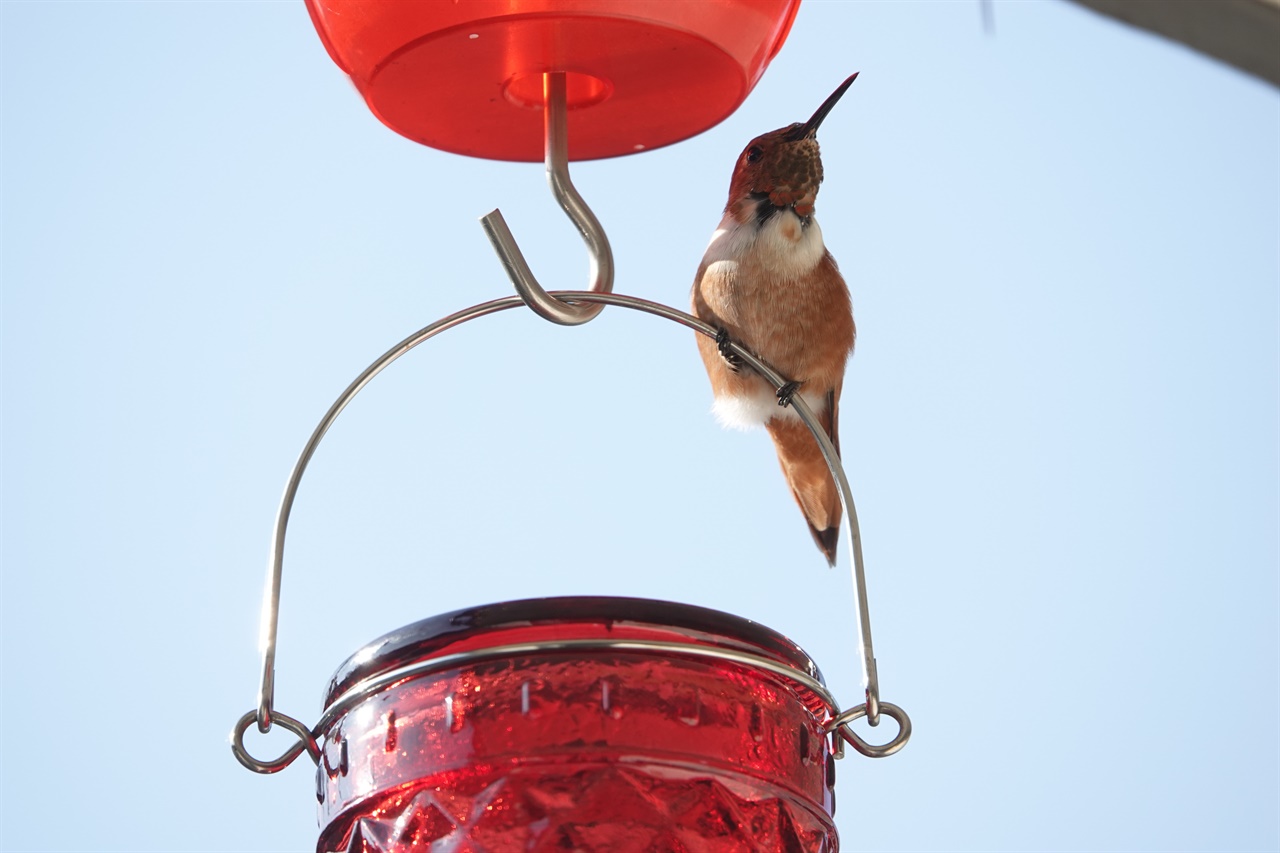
x=810, y=128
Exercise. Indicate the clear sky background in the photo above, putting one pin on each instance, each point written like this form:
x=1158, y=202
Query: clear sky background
x=1063, y=242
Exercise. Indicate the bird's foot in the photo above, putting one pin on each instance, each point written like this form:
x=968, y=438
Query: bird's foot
x=731, y=358
x=786, y=392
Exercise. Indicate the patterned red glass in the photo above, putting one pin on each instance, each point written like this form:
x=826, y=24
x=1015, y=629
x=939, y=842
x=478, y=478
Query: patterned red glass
x=593, y=751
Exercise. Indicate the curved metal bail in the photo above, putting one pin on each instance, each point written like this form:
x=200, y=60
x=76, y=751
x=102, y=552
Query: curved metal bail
x=601, y=255
x=266, y=716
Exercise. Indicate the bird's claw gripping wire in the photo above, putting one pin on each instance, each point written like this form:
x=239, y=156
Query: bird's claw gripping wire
x=730, y=357
x=786, y=392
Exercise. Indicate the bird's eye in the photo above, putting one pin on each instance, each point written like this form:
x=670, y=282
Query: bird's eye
x=754, y=153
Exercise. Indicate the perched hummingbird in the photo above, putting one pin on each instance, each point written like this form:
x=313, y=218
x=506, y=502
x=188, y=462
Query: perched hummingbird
x=768, y=283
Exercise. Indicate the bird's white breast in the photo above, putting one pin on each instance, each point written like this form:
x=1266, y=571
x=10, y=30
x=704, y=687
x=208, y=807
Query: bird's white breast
x=780, y=248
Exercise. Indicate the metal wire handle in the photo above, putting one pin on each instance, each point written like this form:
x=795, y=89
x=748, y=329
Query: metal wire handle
x=265, y=716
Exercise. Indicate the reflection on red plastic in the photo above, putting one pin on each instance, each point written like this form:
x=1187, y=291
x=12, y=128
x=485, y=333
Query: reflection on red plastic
x=636, y=751
x=441, y=73
x=581, y=90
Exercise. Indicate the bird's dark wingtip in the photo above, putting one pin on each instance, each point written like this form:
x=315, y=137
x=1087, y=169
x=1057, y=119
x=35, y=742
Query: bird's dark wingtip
x=826, y=540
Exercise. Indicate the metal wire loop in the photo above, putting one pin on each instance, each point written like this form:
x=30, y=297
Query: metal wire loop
x=800, y=681
x=598, y=250
x=840, y=726
x=306, y=743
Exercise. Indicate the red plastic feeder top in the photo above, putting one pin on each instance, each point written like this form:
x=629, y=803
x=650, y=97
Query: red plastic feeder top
x=466, y=75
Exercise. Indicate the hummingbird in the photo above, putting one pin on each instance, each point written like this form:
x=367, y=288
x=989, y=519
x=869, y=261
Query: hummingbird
x=768, y=283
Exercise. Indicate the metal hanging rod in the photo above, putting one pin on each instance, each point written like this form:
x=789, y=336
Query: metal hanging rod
x=555, y=129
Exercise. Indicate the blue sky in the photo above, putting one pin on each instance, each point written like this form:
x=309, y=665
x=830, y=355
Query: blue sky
x=1063, y=243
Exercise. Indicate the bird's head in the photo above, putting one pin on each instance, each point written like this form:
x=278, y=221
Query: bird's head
x=783, y=166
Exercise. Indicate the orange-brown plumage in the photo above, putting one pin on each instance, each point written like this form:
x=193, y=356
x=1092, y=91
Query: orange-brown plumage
x=769, y=283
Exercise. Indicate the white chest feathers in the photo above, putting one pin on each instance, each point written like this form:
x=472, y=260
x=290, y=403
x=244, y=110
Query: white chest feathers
x=781, y=248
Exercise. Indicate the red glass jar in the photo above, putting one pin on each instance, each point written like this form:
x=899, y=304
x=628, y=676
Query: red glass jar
x=466, y=76
x=567, y=724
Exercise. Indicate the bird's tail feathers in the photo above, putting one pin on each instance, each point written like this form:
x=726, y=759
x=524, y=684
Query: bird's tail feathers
x=810, y=480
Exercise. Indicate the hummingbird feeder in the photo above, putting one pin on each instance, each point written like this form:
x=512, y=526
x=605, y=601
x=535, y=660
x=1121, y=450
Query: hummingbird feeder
x=596, y=724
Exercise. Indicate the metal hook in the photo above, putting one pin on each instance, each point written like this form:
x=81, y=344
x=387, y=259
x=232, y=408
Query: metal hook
x=557, y=160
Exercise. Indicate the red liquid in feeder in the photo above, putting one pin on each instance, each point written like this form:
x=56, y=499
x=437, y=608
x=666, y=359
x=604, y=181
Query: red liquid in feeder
x=572, y=750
